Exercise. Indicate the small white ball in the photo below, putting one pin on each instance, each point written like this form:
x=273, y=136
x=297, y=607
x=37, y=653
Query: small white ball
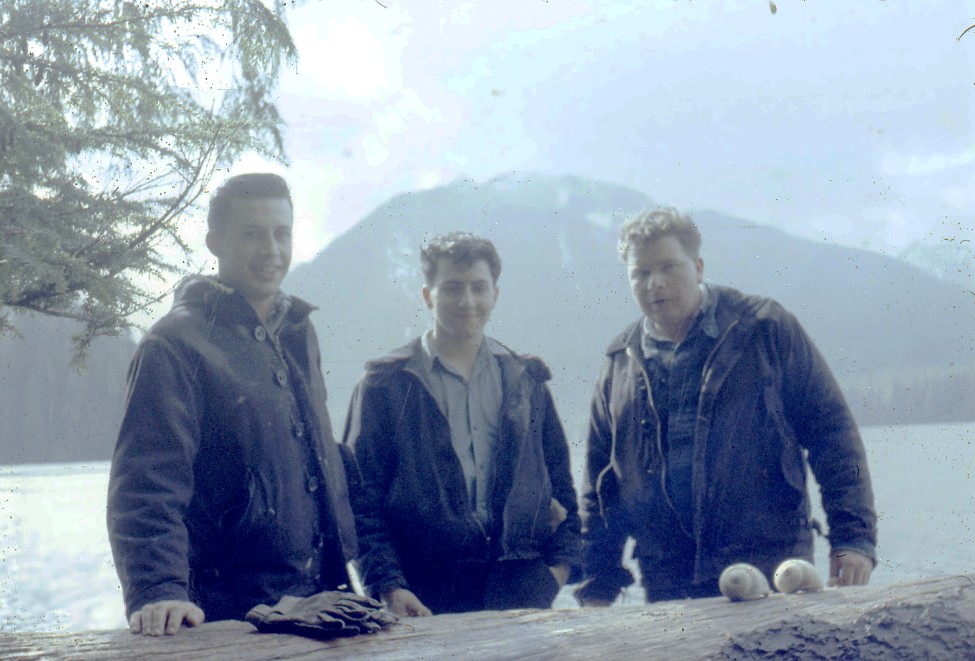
x=743, y=582
x=796, y=575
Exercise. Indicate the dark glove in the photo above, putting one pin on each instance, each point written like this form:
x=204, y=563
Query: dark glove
x=322, y=615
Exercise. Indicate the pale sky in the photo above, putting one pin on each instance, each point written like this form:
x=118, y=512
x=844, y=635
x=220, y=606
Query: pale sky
x=844, y=122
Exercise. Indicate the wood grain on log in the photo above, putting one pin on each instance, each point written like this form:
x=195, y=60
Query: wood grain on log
x=930, y=619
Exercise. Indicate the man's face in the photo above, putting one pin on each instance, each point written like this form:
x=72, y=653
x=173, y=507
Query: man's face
x=664, y=280
x=253, y=249
x=461, y=298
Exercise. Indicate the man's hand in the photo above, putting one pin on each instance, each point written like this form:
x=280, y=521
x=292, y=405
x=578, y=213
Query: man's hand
x=165, y=617
x=561, y=574
x=849, y=568
x=556, y=515
x=404, y=603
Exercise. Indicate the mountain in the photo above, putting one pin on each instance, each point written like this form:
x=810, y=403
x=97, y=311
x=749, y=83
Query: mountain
x=50, y=412
x=901, y=340
x=564, y=294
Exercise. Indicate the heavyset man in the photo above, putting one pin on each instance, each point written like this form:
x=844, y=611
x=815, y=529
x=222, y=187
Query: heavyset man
x=702, y=418
x=227, y=489
x=466, y=499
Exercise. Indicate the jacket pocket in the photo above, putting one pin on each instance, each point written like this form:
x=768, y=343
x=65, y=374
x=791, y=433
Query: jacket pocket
x=241, y=523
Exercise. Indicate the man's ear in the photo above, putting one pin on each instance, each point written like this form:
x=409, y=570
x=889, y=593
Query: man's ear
x=213, y=243
x=700, y=270
x=425, y=293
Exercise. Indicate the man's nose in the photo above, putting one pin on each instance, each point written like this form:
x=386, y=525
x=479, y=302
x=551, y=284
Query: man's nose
x=269, y=244
x=467, y=296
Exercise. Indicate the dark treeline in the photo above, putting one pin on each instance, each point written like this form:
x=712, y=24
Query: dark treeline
x=922, y=396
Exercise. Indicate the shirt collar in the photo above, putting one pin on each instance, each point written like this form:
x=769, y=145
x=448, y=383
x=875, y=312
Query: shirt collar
x=430, y=356
x=279, y=311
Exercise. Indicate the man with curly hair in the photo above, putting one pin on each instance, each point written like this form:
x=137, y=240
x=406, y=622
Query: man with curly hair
x=466, y=500
x=704, y=416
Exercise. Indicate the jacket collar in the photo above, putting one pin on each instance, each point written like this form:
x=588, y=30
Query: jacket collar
x=731, y=307
x=409, y=358
x=217, y=298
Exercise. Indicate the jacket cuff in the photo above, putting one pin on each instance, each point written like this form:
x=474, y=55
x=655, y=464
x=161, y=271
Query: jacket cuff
x=379, y=590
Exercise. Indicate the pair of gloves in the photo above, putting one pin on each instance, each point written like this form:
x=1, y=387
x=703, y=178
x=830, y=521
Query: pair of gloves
x=323, y=615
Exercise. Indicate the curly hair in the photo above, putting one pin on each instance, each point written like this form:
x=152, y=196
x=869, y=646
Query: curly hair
x=648, y=226
x=461, y=248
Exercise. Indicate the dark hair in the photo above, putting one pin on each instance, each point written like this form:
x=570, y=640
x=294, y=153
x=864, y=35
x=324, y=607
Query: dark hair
x=252, y=186
x=461, y=248
x=648, y=226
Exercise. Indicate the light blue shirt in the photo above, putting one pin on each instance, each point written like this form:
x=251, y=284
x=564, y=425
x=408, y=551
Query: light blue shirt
x=473, y=411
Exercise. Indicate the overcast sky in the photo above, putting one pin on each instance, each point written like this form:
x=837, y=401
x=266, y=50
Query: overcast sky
x=836, y=121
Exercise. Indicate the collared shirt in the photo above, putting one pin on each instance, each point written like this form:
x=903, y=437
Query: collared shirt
x=473, y=411
x=676, y=370
x=279, y=310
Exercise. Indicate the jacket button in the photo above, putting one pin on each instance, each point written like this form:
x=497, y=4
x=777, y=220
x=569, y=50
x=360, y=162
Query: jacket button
x=260, y=334
x=282, y=378
x=312, y=484
x=299, y=430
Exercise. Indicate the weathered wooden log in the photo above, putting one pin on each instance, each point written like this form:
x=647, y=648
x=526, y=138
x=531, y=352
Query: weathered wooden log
x=929, y=619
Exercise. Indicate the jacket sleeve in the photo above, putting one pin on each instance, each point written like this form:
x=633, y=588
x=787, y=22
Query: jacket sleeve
x=605, y=527
x=564, y=545
x=367, y=432
x=151, y=478
x=824, y=424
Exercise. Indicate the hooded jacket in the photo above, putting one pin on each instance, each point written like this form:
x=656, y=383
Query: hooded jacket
x=415, y=520
x=767, y=403
x=227, y=488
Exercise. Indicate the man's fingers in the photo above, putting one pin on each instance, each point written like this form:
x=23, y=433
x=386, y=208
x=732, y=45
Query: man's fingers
x=185, y=612
x=862, y=575
x=849, y=568
x=135, y=622
x=195, y=616
x=153, y=620
x=165, y=617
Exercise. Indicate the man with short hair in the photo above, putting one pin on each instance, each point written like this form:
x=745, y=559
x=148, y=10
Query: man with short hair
x=227, y=489
x=466, y=499
x=703, y=414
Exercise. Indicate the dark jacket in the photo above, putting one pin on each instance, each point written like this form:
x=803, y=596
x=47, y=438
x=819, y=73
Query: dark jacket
x=227, y=488
x=767, y=399
x=414, y=517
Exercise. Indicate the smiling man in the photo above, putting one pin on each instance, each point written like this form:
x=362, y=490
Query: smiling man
x=227, y=488
x=466, y=499
x=702, y=418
